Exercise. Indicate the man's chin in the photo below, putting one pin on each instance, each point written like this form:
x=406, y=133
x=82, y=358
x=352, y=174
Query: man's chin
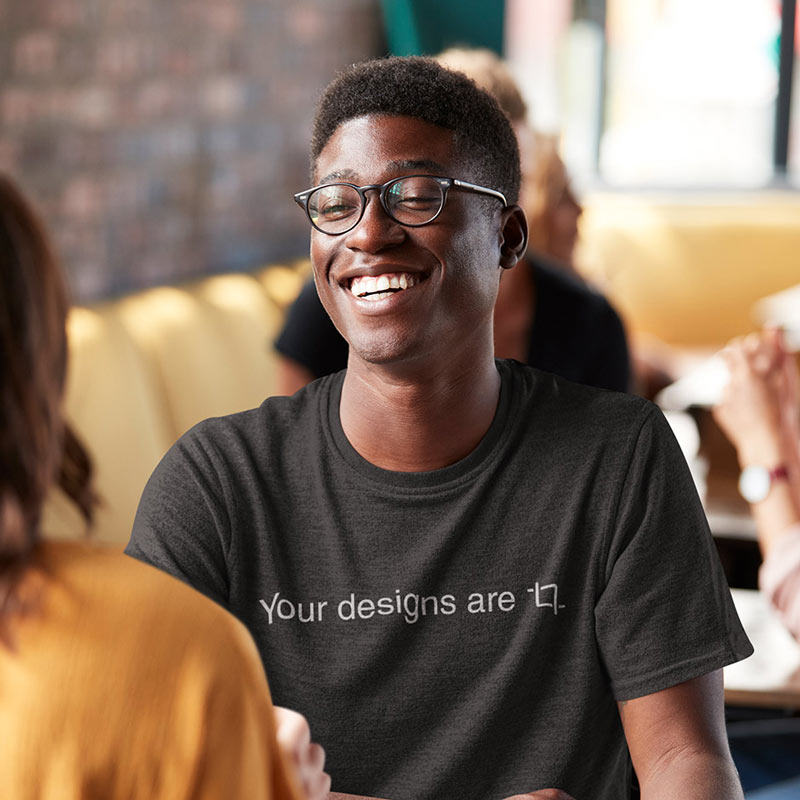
x=387, y=351
x=378, y=356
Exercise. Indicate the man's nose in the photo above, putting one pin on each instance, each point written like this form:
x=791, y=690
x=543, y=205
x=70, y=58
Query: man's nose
x=376, y=229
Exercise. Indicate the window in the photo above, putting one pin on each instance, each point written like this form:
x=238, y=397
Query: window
x=660, y=93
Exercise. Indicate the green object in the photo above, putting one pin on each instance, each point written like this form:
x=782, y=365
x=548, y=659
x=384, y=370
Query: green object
x=426, y=27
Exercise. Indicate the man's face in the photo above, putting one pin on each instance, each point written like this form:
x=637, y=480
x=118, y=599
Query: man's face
x=450, y=266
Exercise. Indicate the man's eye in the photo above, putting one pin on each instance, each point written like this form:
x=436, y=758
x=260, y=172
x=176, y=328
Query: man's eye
x=413, y=202
x=337, y=210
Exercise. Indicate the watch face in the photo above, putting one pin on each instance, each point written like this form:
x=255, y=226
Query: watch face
x=754, y=483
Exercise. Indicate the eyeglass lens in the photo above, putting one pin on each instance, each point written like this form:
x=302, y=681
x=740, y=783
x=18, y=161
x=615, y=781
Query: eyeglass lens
x=410, y=201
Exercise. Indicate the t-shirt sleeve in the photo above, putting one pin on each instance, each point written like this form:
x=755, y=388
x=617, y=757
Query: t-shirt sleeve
x=182, y=526
x=665, y=613
x=310, y=338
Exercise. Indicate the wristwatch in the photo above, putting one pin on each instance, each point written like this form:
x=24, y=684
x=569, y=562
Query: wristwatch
x=756, y=480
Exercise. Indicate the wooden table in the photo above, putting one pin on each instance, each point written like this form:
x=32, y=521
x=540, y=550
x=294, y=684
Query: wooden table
x=770, y=678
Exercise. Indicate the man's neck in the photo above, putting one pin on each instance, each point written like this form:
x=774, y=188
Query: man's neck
x=420, y=421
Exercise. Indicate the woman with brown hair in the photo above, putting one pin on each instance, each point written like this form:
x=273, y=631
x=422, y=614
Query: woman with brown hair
x=116, y=681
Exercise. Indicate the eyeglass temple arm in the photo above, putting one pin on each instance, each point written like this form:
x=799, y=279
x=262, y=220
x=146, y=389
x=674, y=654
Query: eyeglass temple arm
x=473, y=187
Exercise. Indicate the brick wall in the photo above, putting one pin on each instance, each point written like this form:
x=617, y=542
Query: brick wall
x=164, y=140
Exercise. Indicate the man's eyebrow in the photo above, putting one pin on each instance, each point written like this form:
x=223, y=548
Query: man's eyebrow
x=426, y=164
x=339, y=175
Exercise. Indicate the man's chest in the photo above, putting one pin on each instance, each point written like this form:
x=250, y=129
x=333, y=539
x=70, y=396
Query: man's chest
x=397, y=585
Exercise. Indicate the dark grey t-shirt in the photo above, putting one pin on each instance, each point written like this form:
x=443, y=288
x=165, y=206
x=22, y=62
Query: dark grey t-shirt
x=461, y=633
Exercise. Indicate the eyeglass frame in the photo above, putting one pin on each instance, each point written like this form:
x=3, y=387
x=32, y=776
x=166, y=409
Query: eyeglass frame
x=445, y=184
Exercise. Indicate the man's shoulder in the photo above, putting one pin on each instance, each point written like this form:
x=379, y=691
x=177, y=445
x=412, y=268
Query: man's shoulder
x=559, y=394
x=229, y=452
x=571, y=409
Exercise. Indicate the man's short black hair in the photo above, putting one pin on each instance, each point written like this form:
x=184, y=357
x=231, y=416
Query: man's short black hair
x=421, y=88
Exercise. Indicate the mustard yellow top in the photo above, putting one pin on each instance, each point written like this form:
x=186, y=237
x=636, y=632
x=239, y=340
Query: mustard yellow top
x=124, y=683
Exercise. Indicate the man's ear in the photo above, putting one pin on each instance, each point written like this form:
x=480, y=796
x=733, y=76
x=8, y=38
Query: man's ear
x=513, y=235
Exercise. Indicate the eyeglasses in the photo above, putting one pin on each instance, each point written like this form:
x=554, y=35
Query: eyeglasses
x=413, y=200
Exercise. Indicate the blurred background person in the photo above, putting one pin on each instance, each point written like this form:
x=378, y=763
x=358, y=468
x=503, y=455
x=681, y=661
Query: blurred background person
x=550, y=202
x=117, y=681
x=760, y=414
x=545, y=316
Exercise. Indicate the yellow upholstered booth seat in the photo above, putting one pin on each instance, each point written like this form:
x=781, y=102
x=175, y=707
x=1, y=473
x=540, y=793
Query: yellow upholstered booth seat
x=210, y=345
x=690, y=271
x=282, y=283
x=112, y=401
x=145, y=368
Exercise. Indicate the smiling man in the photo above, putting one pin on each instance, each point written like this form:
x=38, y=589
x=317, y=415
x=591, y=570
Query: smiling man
x=475, y=579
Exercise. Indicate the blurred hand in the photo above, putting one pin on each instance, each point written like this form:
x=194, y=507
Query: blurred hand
x=307, y=758
x=759, y=408
x=543, y=794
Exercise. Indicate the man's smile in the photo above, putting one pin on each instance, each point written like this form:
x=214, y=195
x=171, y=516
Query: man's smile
x=378, y=287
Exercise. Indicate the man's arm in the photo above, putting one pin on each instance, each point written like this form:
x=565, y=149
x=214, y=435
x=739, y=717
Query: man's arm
x=678, y=743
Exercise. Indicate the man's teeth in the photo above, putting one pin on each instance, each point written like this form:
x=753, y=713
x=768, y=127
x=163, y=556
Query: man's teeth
x=382, y=285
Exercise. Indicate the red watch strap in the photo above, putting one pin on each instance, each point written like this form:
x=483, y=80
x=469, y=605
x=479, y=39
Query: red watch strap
x=779, y=473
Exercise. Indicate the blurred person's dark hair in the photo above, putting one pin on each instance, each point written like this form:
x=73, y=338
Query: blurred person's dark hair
x=423, y=89
x=37, y=448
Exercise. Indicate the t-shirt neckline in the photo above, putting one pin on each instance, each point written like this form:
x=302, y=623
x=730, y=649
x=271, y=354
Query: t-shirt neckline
x=454, y=474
